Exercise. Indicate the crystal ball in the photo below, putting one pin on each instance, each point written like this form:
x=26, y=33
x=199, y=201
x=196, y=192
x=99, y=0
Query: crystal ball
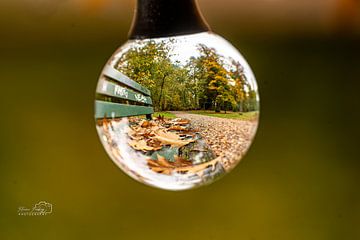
x=177, y=113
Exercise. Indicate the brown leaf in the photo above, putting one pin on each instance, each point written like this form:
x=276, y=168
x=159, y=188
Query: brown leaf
x=199, y=169
x=160, y=118
x=180, y=166
x=163, y=162
x=180, y=121
x=140, y=145
x=168, y=135
x=145, y=124
x=164, y=166
x=178, y=128
x=168, y=138
x=155, y=144
x=106, y=124
x=179, y=161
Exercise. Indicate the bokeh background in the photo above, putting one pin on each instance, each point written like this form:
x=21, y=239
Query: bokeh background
x=300, y=180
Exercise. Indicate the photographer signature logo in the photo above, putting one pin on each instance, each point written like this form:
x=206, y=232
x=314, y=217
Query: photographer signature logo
x=40, y=209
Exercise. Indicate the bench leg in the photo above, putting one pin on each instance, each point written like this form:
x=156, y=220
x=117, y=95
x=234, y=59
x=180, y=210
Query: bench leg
x=148, y=116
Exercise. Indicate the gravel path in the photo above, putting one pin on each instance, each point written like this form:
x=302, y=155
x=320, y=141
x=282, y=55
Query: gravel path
x=228, y=138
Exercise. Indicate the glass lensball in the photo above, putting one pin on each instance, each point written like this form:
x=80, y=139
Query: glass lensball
x=179, y=112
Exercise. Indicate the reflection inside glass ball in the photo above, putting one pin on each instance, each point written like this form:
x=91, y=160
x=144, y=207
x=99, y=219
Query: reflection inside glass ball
x=177, y=113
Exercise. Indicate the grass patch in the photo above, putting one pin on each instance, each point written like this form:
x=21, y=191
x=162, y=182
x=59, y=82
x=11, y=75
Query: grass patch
x=230, y=115
x=165, y=114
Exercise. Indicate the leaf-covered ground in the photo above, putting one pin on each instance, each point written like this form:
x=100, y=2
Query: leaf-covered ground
x=189, y=144
x=170, y=144
x=228, y=138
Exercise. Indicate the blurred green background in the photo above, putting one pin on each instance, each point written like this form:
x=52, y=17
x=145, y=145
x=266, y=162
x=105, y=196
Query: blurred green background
x=300, y=180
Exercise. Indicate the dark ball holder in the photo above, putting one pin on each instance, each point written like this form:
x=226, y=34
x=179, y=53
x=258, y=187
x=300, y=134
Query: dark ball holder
x=166, y=18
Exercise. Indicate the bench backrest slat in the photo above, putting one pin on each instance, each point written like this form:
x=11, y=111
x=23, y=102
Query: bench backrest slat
x=116, y=110
x=113, y=90
x=114, y=74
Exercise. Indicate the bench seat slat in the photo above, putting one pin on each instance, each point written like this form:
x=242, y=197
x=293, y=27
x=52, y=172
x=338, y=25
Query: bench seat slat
x=113, y=90
x=115, y=110
x=114, y=74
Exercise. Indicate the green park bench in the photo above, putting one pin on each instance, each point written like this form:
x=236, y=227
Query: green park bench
x=134, y=99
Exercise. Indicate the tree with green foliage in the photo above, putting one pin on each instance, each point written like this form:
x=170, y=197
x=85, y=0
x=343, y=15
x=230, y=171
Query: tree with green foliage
x=149, y=65
x=205, y=82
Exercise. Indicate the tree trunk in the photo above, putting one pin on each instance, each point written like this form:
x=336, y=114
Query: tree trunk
x=161, y=92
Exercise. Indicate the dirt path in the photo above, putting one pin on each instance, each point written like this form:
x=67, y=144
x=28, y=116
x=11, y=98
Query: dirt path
x=228, y=138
